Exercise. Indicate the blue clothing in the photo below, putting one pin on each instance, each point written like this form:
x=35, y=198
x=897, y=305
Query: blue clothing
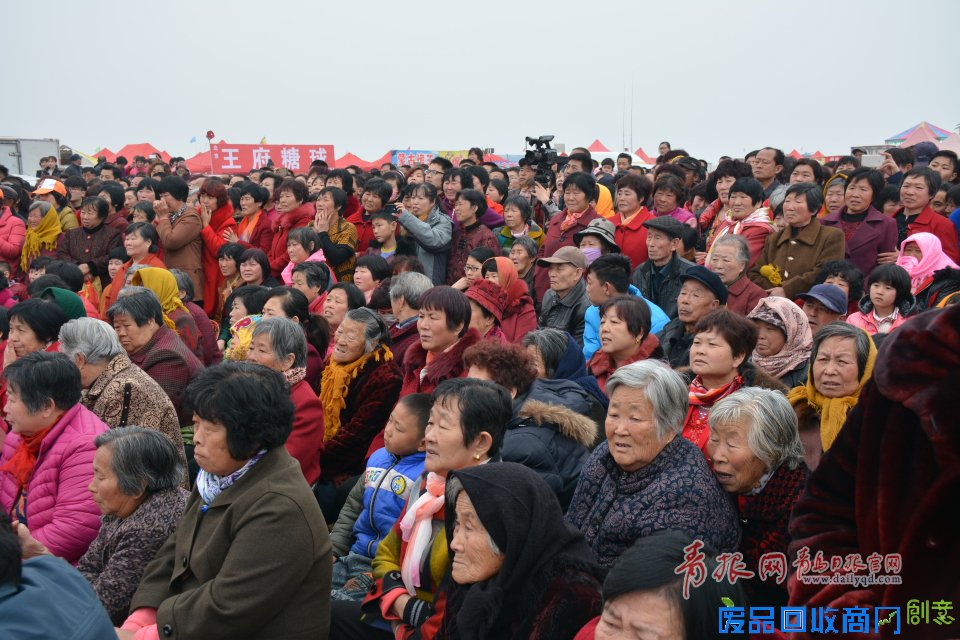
x=387, y=482
x=573, y=367
x=53, y=601
x=591, y=323
x=955, y=219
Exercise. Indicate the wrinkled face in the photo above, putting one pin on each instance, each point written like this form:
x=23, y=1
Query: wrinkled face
x=741, y=205
x=711, y=356
x=802, y=173
x=575, y=199
x=615, y=336
x=136, y=246
x=819, y=315
x=371, y=202
x=858, y=196
x=643, y=615
x=520, y=258
x=914, y=193
x=23, y=339
x=296, y=252
x=834, y=198
x=735, y=465
x=349, y=341
x=261, y=352
x=564, y=277
x=248, y=206
x=210, y=448
x=839, y=281
x=723, y=188
x=443, y=439
x=452, y=188
x=835, y=371
x=474, y=560
x=22, y=421
x=435, y=335
x=465, y=212
x=795, y=211
x=335, y=307
x=627, y=200
x=939, y=202
x=660, y=246
x=512, y=217
x=631, y=429
x=132, y=337
x=34, y=217
x=479, y=320
x=664, y=200
x=695, y=301
x=251, y=272
x=401, y=435
x=105, y=488
x=89, y=218
x=228, y=266
x=770, y=339
x=725, y=263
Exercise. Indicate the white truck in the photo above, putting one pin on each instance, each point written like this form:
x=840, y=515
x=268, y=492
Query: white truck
x=21, y=156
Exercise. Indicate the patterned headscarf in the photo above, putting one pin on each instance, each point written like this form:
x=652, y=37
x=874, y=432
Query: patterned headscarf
x=793, y=322
x=932, y=260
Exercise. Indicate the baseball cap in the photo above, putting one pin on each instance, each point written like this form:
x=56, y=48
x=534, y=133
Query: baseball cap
x=708, y=279
x=48, y=185
x=829, y=295
x=565, y=255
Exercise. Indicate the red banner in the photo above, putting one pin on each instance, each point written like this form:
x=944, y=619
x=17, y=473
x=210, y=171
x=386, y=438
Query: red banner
x=241, y=158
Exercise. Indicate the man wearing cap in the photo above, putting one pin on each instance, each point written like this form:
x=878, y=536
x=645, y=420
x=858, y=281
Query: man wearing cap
x=823, y=304
x=701, y=292
x=565, y=304
x=658, y=279
x=53, y=191
x=73, y=170
x=12, y=229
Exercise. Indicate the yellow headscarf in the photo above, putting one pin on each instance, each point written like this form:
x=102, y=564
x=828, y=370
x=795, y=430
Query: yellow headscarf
x=335, y=385
x=45, y=236
x=164, y=284
x=833, y=411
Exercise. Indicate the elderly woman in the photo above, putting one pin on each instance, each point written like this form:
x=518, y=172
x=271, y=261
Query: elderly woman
x=508, y=541
x=719, y=364
x=758, y=458
x=933, y=275
x=343, y=297
x=247, y=300
x=487, y=302
x=116, y=390
x=841, y=362
x=287, y=302
x=445, y=333
x=523, y=255
x=359, y=387
x=45, y=465
x=624, y=337
x=784, y=339
x=557, y=356
x=465, y=430
x=872, y=237
x=88, y=246
x=141, y=242
x=746, y=217
x=154, y=347
x=520, y=315
x=279, y=344
x=136, y=478
x=43, y=232
x=406, y=290
x=834, y=192
x=644, y=591
x=179, y=226
x=252, y=520
x=792, y=258
x=255, y=228
x=647, y=477
x=175, y=314
x=729, y=258
x=669, y=194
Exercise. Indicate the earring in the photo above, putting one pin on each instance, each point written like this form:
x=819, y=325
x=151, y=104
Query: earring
x=477, y=457
x=638, y=339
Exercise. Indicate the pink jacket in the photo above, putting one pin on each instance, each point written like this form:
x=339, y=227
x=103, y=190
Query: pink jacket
x=12, y=234
x=866, y=322
x=61, y=513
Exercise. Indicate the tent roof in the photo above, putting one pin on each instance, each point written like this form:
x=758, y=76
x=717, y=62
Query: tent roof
x=106, y=153
x=795, y=154
x=921, y=133
x=952, y=143
x=348, y=158
x=199, y=163
x=939, y=132
x=144, y=149
x=817, y=156
x=598, y=147
x=640, y=153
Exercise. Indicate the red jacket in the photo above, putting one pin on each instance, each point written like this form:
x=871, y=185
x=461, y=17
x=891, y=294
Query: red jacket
x=364, y=227
x=262, y=235
x=305, y=442
x=519, y=318
x=212, y=235
x=632, y=237
x=12, y=234
x=930, y=221
x=284, y=224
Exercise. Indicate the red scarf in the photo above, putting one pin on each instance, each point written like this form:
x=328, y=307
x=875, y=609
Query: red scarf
x=24, y=459
x=696, y=427
x=571, y=219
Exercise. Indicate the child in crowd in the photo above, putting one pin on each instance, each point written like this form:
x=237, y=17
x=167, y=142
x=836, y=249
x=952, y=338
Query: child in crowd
x=387, y=245
x=887, y=302
x=846, y=275
x=378, y=498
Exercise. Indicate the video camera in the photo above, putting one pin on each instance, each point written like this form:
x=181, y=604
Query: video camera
x=543, y=157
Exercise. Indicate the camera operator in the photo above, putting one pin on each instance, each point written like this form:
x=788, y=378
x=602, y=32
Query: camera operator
x=538, y=194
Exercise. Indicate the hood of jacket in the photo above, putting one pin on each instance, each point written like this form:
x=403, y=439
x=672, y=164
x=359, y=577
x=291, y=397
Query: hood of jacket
x=905, y=307
x=568, y=423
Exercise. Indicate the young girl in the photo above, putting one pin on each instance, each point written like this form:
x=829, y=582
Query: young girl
x=887, y=302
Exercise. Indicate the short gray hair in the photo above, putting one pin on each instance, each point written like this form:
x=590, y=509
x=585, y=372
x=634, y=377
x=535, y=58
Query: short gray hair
x=184, y=283
x=551, y=344
x=773, y=435
x=43, y=205
x=410, y=286
x=842, y=329
x=529, y=245
x=666, y=391
x=141, y=305
x=375, y=331
x=93, y=338
x=286, y=337
x=132, y=269
x=144, y=460
x=738, y=242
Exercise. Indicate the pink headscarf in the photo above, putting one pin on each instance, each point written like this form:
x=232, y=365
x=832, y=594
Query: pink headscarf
x=933, y=259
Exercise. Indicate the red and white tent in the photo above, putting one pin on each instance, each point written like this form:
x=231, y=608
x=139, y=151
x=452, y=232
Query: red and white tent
x=598, y=147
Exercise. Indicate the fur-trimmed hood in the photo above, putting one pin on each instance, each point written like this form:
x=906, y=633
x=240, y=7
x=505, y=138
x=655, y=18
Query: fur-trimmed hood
x=568, y=423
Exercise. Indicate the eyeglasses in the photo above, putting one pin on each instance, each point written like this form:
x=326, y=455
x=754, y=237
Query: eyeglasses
x=470, y=268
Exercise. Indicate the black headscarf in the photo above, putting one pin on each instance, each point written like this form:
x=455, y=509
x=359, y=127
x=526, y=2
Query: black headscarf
x=522, y=515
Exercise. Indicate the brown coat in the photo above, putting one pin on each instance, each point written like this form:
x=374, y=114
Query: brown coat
x=183, y=246
x=799, y=258
x=255, y=565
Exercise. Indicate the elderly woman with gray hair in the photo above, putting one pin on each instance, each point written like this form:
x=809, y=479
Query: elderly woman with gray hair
x=280, y=344
x=136, y=484
x=646, y=477
x=758, y=458
x=114, y=388
x=729, y=258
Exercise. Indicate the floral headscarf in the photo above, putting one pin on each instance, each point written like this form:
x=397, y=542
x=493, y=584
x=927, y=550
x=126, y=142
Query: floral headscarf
x=793, y=322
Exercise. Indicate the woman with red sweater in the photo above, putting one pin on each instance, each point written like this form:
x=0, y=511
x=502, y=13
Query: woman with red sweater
x=216, y=214
x=293, y=212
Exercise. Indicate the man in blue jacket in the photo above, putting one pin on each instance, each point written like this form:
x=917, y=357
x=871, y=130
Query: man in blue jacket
x=608, y=276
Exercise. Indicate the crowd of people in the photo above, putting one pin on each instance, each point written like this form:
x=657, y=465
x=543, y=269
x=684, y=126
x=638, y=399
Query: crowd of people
x=438, y=401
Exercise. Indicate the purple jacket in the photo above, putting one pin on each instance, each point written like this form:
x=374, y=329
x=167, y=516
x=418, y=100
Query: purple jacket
x=876, y=234
x=61, y=513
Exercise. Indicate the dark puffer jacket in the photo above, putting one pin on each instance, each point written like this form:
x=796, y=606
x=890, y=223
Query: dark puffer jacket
x=551, y=435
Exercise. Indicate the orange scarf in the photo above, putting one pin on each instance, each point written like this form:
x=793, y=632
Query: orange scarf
x=247, y=225
x=24, y=459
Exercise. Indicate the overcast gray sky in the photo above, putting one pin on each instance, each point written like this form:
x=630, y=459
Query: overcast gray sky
x=713, y=77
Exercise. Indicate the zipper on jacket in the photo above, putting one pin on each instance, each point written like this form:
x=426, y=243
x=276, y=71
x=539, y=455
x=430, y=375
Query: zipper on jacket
x=373, y=499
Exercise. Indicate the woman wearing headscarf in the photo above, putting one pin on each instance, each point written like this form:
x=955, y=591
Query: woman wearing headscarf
x=784, y=340
x=841, y=362
x=175, y=313
x=933, y=275
x=43, y=233
x=519, y=316
x=518, y=569
x=68, y=301
x=487, y=300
